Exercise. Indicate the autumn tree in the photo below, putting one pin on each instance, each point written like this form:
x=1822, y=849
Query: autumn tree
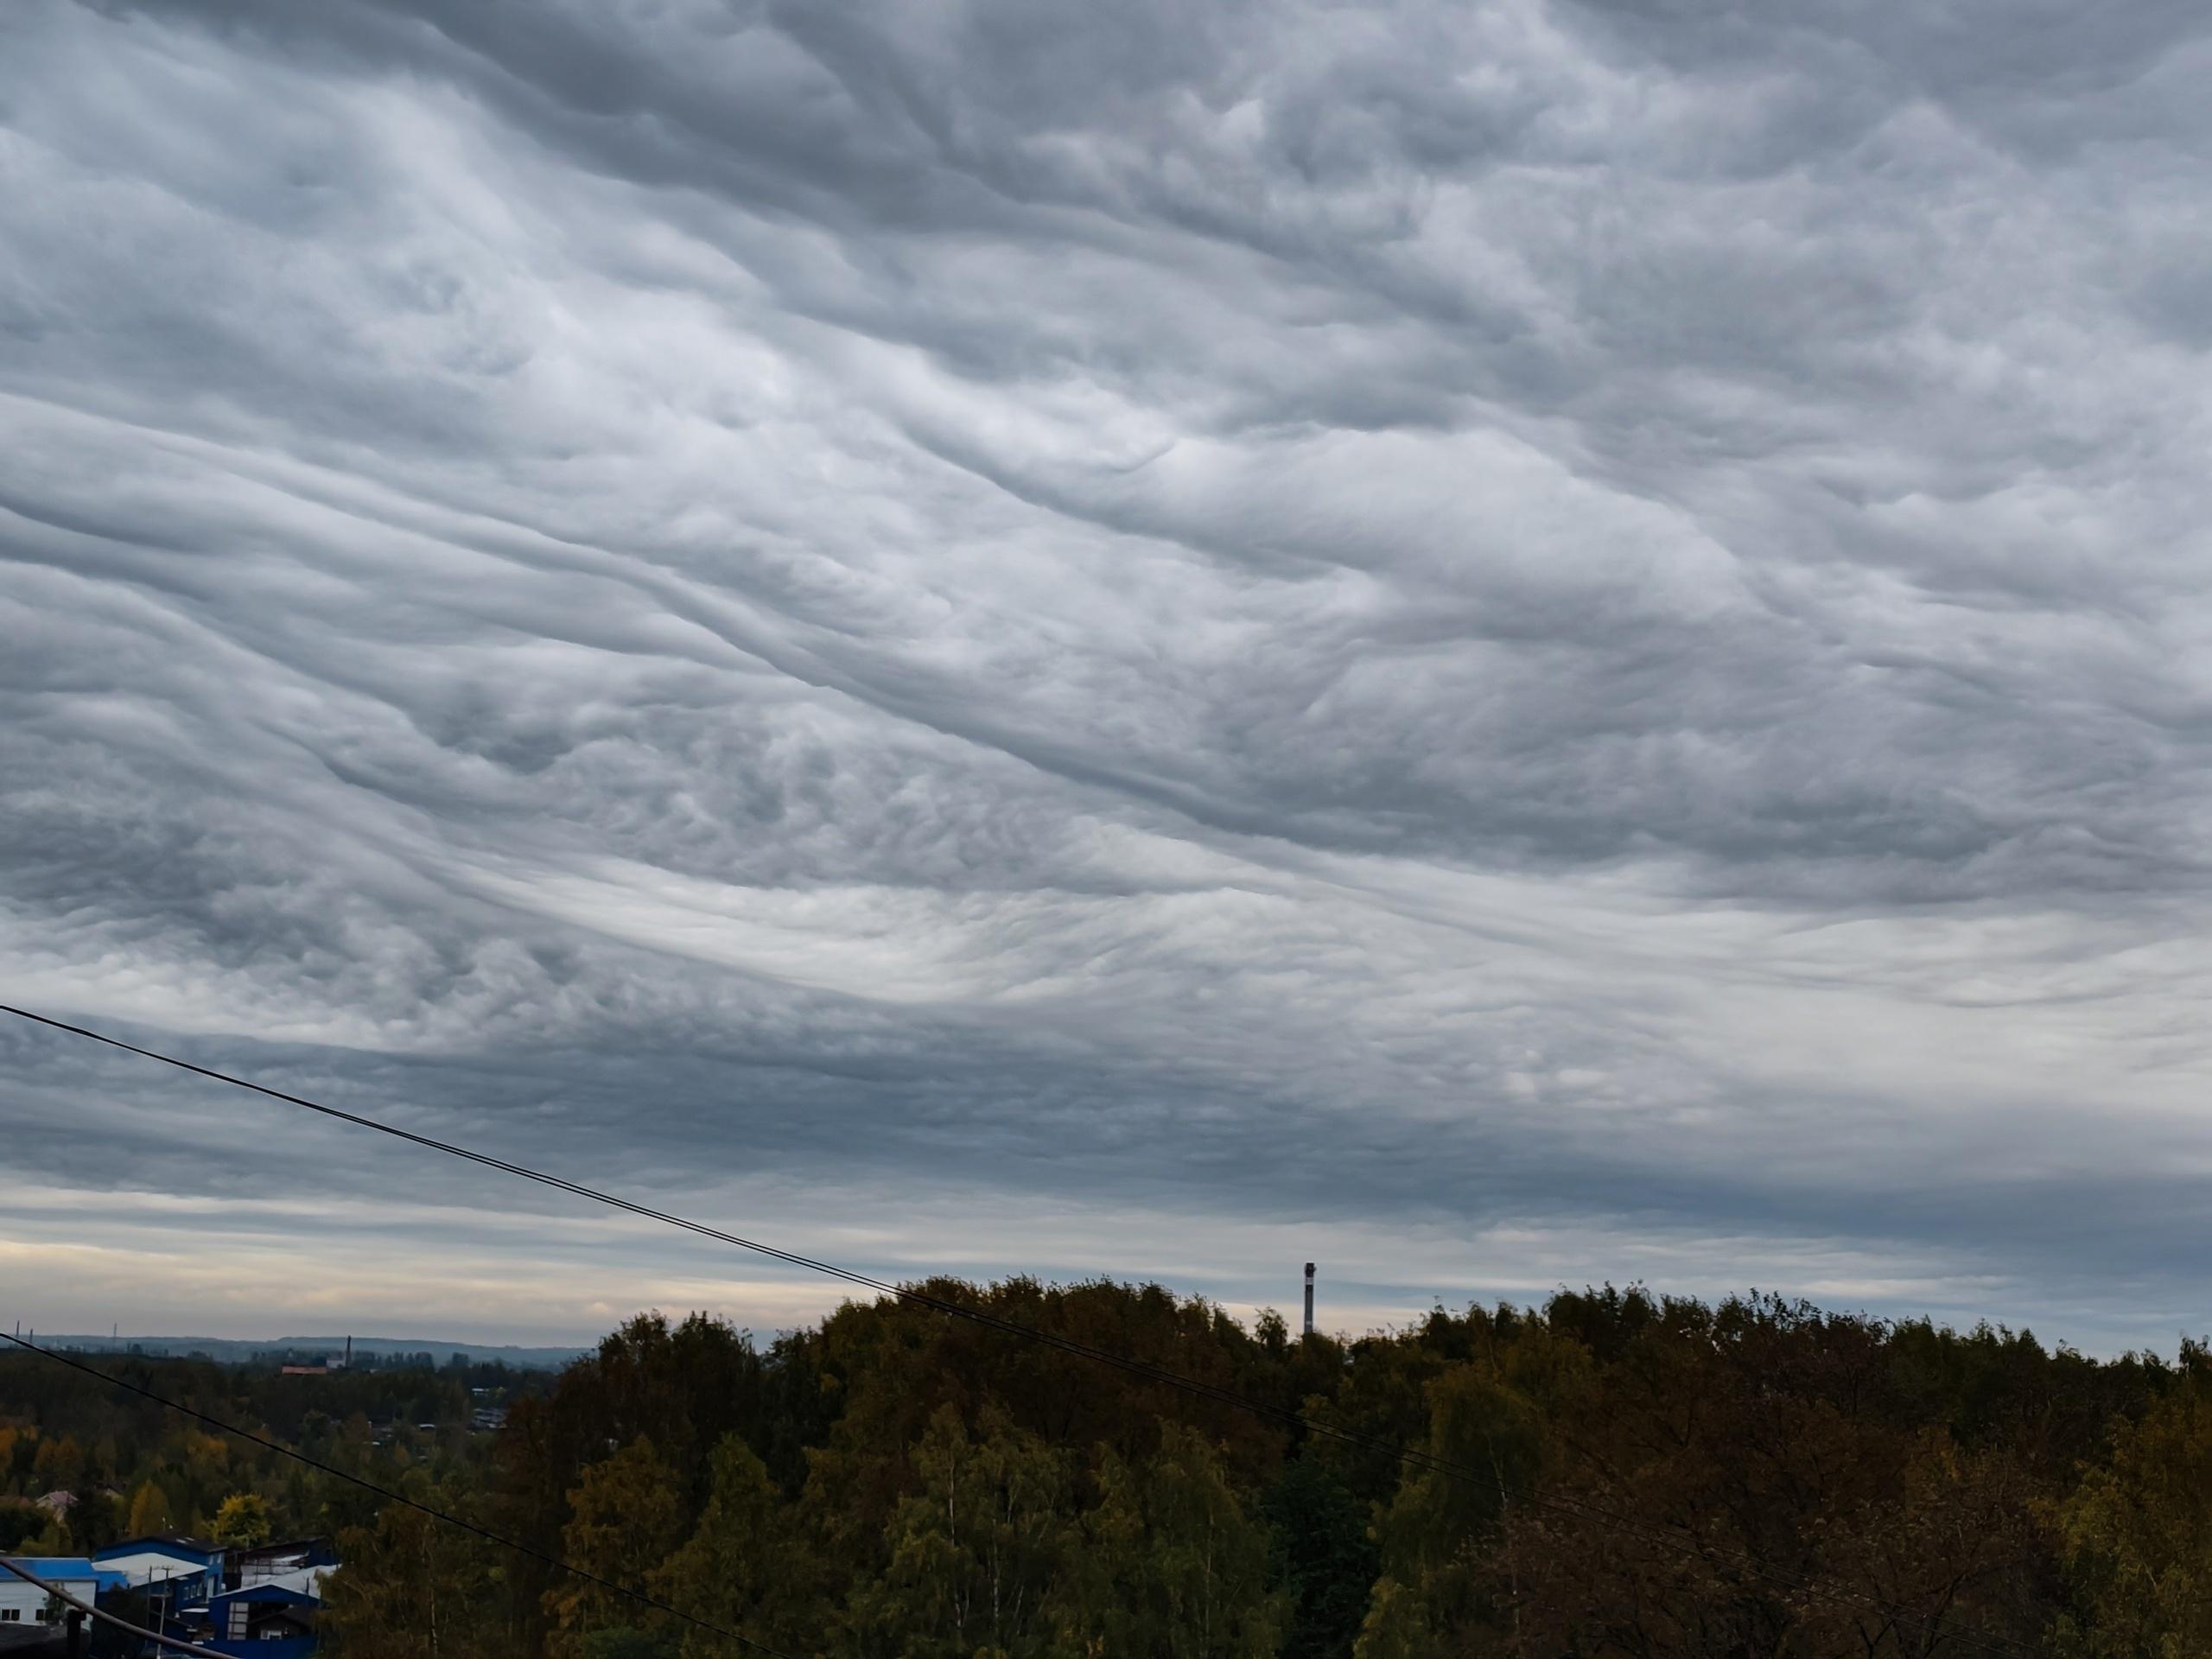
x=1173, y=1565
x=977, y=1553
x=1614, y=1473
x=58, y=1464
x=737, y=1568
x=625, y=1518
x=411, y=1588
x=149, y=1511
x=1446, y=1583
x=2137, y=1536
x=1742, y=1480
x=244, y=1521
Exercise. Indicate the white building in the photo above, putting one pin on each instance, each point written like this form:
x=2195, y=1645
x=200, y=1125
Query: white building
x=300, y=1567
x=192, y=1569
x=26, y=1603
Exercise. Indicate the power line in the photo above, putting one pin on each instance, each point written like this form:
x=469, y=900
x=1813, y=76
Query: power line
x=389, y=1495
x=1422, y=1461
x=1425, y=1461
x=174, y=1644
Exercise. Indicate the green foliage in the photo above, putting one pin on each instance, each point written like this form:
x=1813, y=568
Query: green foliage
x=625, y=1518
x=1614, y=1473
x=243, y=1520
x=19, y=1523
x=1396, y=1626
x=978, y=1552
x=411, y=1588
x=741, y=1568
x=1174, y=1565
x=2137, y=1535
x=1749, y=1478
x=624, y=1641
x=1322, y=1556
x=149, y=1511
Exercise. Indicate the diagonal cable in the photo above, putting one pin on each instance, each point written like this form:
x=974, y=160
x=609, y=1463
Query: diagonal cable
x=1675, y=1538
x=175, y=1644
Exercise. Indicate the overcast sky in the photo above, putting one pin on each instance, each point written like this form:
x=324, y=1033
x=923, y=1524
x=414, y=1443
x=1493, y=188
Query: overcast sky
x=1496, y=645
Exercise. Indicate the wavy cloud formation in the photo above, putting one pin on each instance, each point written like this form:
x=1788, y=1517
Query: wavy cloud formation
x=1562, y=642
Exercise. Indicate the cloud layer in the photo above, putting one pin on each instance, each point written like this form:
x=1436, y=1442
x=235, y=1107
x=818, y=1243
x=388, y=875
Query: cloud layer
x=1564, y=641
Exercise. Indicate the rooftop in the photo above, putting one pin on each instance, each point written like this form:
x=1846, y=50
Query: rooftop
x=193, y=1548
x=57, y=1569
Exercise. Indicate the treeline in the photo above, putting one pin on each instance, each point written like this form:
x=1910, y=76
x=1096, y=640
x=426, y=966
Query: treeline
x=82, y=1465
x=1614, y=1474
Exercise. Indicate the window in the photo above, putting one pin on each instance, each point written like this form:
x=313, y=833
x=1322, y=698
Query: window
x=11, y=1615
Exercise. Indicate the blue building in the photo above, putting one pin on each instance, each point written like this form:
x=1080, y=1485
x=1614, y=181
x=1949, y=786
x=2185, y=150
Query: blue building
x=171, y=1571
x=260, y=1603
x=262, y=1621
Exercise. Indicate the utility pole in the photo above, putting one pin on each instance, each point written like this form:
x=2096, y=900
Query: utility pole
x=1309, y=1299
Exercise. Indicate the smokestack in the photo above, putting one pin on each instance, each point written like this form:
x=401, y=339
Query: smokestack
x=1309, y=1299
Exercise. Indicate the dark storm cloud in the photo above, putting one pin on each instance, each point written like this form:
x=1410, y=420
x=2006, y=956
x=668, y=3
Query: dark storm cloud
x=1576, y=625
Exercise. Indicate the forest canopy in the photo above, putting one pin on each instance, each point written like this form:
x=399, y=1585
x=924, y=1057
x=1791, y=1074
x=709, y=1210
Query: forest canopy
x=1614, y=1473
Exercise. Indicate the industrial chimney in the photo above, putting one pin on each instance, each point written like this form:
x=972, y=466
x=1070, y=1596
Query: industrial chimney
x=1309, y=1299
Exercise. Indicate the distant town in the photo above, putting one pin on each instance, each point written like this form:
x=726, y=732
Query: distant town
x=408, y=1351
x=109, y=1519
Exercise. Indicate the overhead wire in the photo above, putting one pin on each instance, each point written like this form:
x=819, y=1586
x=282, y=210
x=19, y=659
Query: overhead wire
x=1678, y=1539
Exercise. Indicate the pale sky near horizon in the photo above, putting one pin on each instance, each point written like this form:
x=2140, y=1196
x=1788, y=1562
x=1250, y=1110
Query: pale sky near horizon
x=1500, y=646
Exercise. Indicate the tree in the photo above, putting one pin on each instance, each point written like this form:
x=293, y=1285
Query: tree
x=625, y=1519
x=411, y=1588
x=1615, y=1476
x=628, y=1642
x=1174, y=1567
x=149, y=1511
x=1489, y=1420
x=683, y=1388
x=244, y=1521
x=1744, y=1481
x=58, y=1464
x=1322, y=1556
x=2139, y=1535
x=1396, y=1626
x=737, y=1567
x=977, y=1553
x=207, y=1456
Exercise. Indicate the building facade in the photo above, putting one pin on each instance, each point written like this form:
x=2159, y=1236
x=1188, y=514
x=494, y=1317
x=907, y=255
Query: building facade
x=25, y=1603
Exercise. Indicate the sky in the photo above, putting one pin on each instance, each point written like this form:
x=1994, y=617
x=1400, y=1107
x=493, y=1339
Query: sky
x=1500, y=646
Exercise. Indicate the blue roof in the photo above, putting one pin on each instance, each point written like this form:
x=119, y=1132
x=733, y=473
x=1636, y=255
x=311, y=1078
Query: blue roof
x=71, y=1567
x=57, y=1567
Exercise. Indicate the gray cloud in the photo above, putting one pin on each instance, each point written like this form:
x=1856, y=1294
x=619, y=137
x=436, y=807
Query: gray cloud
x=1557, y=642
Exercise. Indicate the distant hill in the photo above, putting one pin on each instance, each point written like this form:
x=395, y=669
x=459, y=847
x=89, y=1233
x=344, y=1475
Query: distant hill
x=238, y=1348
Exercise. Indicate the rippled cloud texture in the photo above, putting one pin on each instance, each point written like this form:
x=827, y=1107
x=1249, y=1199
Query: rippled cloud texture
x=1496, y=645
